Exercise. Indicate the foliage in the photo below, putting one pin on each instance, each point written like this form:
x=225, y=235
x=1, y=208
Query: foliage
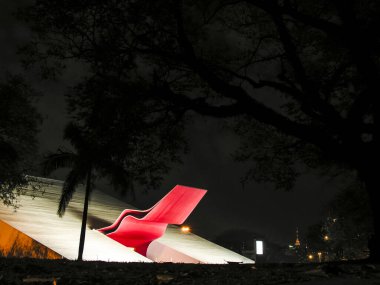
x=114, y=101
x=93, y=158
x=303, y=74
x=348, y=226
x=288, y=64
x=142, y=132
x=19, y=121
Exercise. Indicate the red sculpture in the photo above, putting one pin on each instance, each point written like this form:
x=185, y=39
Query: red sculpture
x=137, y=229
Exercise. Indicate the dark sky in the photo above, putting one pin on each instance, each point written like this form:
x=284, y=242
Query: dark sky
x=209, y=164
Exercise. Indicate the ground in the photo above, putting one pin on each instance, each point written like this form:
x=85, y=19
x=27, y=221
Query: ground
x=33, y=271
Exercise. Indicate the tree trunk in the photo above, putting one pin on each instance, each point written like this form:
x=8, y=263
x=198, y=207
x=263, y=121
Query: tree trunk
x=368, y=175
x=84, y=217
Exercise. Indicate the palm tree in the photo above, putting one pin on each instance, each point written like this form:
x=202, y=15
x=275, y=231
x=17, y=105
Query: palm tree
x=91, y=158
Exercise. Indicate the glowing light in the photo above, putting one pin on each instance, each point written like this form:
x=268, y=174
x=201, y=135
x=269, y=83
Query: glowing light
x=185, y=229
x=320, y=256
x=259, y=247
x=326, y=237
x=310, y=257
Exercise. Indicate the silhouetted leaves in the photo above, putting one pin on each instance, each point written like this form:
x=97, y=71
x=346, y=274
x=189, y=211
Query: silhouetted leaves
x=348, y=224
x=19, y=123
x=305, y=72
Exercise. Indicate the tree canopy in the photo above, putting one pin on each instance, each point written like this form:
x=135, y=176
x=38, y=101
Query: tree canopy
x=144, y=133
x=226, y=59
x=300, y=76
x=94, y=158
x=347, y=224
x=19, y=122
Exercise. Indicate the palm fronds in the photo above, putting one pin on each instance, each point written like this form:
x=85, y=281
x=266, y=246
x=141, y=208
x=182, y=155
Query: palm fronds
x=57, y=160
x=75, y=176
x=76, y=137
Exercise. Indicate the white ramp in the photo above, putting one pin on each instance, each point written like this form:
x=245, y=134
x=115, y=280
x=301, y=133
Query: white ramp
x=37, y=218
x=176, y=246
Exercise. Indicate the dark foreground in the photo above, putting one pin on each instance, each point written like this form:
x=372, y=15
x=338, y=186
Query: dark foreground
x=29, y=271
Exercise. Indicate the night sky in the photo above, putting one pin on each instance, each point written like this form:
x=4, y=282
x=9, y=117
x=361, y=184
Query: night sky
x=209, y=164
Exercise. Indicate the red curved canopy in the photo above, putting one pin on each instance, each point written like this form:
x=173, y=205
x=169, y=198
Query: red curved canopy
x=137, y=229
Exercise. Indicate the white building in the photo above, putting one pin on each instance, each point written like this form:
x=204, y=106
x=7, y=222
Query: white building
x=35, y=229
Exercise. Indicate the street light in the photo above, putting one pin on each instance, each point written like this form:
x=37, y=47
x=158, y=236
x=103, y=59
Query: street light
x=310, y=257
x=320, y=256
x=326, y=238
x=185, y=229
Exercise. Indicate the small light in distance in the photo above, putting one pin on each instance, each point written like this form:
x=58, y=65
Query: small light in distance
x=185, y=229
x=310, y=257
x=259, y=247
x=326, y=237
x=319, y=256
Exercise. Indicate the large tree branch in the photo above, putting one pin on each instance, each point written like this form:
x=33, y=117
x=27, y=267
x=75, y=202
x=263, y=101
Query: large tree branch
x=293, y=92
x=198, y=104
x=260, y=112
x=279, y=86
x=271, y=6
x=360, y=50
x=311, y=103
x=348, y=35
x=245, y=104
x=311, y=100
x=331, y=29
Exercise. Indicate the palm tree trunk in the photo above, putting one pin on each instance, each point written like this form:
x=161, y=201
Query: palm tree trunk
x=84, y=217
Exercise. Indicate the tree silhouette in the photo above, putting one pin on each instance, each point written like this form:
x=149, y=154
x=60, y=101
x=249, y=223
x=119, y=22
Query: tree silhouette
x=304, y=74
x=19, y=123
x=347, y=223
x=90, y=160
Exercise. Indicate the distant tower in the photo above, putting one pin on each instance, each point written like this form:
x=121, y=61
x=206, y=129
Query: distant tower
x=297, y=243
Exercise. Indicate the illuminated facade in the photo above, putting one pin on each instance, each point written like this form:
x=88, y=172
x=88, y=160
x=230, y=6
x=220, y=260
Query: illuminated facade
x=16, y=243
x=35, y=225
